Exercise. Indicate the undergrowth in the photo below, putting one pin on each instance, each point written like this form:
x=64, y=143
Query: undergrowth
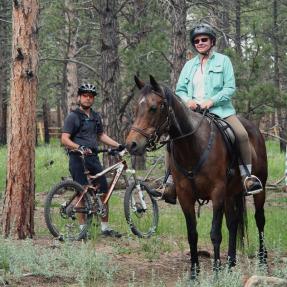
x=77, y=261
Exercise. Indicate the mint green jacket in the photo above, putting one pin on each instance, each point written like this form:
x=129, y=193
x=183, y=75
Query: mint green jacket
x=219, y=83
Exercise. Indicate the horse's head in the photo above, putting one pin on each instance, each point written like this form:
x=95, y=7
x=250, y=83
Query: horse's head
x=151, y=118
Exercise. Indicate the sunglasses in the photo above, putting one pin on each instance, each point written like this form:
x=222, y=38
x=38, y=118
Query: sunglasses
x=203, y=40
x=88, y=96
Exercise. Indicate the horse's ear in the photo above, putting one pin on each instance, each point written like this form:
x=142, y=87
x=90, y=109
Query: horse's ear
x=154, y=84
x=140, y=84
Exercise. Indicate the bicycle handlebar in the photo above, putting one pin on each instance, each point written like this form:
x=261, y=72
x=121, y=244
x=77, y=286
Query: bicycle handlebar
x=109, y=151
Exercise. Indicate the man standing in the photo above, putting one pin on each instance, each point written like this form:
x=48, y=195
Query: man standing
x=82, y=130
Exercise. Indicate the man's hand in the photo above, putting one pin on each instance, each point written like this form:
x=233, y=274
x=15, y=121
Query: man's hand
x=84, y=150
x=206, y=104
x=192, y=104
x=121, y=147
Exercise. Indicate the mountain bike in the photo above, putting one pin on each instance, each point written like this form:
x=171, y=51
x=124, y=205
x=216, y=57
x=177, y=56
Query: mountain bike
x=68, y=200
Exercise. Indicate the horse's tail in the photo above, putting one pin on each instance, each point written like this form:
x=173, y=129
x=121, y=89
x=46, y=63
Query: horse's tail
x=242, y=221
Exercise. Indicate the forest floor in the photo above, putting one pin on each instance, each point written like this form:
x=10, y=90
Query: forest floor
x=133, y=266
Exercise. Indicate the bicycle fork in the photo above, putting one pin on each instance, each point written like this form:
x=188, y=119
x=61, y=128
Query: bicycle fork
x=141, y=197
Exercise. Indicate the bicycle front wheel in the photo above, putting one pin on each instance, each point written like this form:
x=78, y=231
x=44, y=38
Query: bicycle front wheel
x=141, y=210
x=65, y=216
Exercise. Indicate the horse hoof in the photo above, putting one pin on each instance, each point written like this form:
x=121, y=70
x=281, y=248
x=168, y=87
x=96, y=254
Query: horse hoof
x=217, y=266
x=194, y=272
x=262, y=258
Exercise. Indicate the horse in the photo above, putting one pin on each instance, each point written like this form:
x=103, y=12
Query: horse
x=199, y=163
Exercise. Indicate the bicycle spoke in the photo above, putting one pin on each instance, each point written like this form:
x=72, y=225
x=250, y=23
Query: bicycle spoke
x=141, y=211
x=64, y=213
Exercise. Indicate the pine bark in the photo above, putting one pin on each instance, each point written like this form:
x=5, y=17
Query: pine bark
x=18, y=209
x=178, y=40
x=279, y=111
x=110, y=72
x=70, y=72
x=4, y=68
x=46, y=120
x=238, y=27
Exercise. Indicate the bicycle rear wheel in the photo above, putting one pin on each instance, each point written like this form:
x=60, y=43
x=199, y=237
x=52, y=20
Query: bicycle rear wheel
x=62, y=215
x=141, y=210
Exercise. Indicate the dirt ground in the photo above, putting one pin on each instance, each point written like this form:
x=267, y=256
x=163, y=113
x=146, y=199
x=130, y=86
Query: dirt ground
x=133, y=268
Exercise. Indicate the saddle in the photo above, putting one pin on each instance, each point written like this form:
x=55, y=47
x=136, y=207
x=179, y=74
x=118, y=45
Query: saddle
x=229, y=138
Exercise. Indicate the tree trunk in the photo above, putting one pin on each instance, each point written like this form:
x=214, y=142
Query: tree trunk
x=71, y=71
x=46, y=114
x=139, y=13
x=110, y=72
x=178, y=40
x=59, y=114
x=279, y=110
x=238, y=27
x=18, y=209
x=222, y=21
x=4, y=67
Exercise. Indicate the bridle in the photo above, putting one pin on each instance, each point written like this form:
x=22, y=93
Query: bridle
x=153, y=138
x=164, y=126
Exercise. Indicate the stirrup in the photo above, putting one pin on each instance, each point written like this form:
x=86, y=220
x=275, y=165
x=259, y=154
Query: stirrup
x=257, y=185
x=157, y=193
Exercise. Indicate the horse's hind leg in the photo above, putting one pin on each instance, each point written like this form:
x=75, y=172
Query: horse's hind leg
x=259, y=200
x=236, y=219
x=215, y=233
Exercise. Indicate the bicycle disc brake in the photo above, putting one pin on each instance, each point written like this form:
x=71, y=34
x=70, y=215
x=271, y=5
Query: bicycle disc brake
x=67, y=211
x=100, y=207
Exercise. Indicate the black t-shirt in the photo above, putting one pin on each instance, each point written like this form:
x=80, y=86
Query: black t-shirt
x=83, y=129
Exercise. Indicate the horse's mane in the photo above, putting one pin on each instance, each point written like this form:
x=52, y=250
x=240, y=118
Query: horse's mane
x=170, y=96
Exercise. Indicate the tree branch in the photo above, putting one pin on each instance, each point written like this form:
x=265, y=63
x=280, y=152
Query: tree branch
x=6, y=21
x=162, y=53
x=77, y=62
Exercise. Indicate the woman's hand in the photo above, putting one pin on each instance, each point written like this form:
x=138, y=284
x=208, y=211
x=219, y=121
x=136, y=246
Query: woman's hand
x=206, y=104
x=192, y=104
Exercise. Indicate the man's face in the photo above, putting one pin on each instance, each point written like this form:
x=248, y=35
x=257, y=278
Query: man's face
x=86, y=100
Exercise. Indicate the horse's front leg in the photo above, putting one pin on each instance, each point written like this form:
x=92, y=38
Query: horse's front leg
x=190, y=219
x=215, y=233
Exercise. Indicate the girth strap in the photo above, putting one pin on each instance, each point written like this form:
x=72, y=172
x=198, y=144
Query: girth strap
x=191, y=173
x=232, y=147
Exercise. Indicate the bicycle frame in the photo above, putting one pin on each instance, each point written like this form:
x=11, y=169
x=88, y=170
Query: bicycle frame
x=119, y=167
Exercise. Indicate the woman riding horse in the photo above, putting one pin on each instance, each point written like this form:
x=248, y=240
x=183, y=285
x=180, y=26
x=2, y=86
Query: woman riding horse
x=208, y=81
x=199, y=166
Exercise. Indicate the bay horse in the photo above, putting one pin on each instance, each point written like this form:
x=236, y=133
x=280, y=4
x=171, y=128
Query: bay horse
x=199, y=162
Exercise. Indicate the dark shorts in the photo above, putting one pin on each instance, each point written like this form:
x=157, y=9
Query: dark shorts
x=92, y=164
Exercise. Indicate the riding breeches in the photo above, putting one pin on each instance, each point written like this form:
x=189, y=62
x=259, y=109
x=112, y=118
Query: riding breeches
x=242, y=138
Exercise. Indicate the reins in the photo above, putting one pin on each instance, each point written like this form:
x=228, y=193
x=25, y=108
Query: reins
x=193, y=131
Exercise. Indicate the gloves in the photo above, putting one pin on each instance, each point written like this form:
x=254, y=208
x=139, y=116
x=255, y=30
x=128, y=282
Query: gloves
x=112, y=152
x=84, y=150
x=121, y=147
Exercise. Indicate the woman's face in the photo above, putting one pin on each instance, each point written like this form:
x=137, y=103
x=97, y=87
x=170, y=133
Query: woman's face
x=202, y=43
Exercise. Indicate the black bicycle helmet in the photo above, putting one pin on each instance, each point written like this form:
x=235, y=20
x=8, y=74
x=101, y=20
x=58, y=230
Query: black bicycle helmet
x=87, y=88
x=202, y=29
